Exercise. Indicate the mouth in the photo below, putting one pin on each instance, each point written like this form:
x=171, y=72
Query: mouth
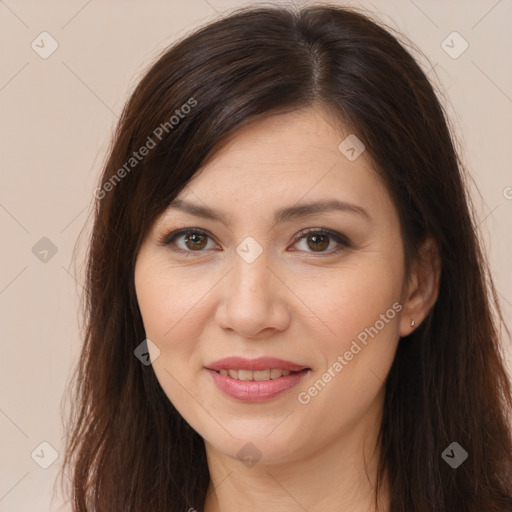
x=255, y=380
x=257, y=375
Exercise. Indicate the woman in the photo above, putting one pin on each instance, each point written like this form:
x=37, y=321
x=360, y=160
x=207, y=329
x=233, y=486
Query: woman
x=286, y=297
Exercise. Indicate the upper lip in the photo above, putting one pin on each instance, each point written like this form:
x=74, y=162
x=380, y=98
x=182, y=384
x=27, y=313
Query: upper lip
x=260, y=363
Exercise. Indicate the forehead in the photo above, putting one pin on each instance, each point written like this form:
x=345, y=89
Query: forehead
x=289, y=157
x=305, y=134
x=274, y=165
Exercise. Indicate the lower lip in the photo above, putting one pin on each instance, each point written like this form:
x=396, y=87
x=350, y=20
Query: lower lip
x=255, y=391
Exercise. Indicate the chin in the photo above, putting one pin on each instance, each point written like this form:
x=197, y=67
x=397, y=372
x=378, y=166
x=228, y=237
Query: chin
x=256, y=444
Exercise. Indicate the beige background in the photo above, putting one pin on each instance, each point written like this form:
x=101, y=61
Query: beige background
x=57, y=116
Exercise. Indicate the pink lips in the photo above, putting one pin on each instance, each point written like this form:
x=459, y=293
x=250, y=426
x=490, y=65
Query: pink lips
x=261, y=363
x=255, y=391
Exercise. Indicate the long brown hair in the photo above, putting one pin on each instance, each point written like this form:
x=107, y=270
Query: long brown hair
x=128, y=448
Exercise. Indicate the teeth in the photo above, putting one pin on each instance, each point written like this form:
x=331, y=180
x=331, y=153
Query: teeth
x=245, y=375
x=261, y=375
x=257, y=375
x=275, y=373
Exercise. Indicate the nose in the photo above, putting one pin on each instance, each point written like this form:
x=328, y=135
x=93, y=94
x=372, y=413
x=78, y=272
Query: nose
x=254, y=300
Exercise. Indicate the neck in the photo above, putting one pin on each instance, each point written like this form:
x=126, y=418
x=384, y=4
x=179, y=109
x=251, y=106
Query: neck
x=339, y=477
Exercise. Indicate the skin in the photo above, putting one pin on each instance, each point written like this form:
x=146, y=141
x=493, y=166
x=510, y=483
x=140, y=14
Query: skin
x=296, y=301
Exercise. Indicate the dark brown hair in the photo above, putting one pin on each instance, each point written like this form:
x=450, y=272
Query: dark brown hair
x=128, y=448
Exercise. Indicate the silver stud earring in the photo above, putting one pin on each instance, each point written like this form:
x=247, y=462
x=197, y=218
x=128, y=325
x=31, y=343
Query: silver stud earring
x=413, y=323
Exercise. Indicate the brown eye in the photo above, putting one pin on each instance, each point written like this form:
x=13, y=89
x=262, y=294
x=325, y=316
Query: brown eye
x=318, y=242
x=187, y=241
x=195, y=241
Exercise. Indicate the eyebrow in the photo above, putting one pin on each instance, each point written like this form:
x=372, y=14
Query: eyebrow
x=282, y=215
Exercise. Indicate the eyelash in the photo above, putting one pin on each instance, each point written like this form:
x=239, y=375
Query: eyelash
x=342, y=240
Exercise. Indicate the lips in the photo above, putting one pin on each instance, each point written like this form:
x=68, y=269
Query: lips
x=255, y=380
x=258, y=375
x=261, y=363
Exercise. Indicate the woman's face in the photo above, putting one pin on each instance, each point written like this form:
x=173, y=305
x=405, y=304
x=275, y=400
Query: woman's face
x=311, y=320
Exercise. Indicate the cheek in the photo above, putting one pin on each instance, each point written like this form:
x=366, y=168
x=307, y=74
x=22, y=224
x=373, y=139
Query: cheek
x=170, y=302
x=168, y=298
x=359, y=309
x=351, y=298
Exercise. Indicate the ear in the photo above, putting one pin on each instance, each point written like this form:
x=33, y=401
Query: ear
x=421, y=290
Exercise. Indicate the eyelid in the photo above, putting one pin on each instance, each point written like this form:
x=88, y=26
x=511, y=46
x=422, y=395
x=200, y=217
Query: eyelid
x=338, y=237
x=167, y=238
x=342, y=240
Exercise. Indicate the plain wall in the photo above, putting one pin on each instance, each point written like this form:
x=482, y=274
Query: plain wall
x=57, y=117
